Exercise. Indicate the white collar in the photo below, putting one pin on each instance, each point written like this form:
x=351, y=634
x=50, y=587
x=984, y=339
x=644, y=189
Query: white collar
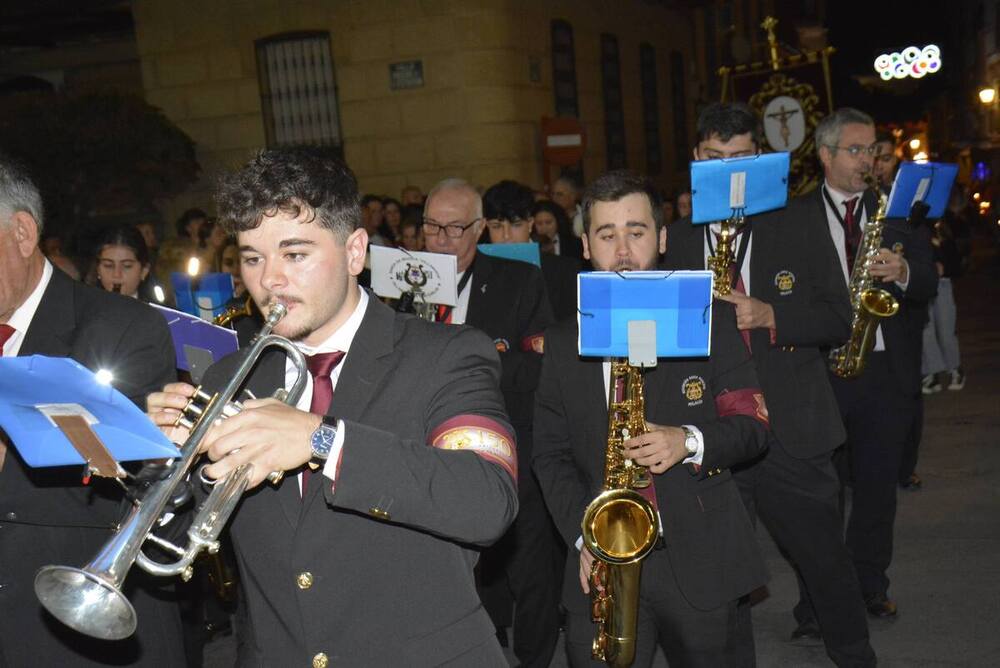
x=22, y=317
x=344, y=336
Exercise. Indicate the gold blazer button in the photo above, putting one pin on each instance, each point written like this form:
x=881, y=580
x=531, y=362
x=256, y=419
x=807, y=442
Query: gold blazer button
x=321, y=660
x=378, y=512
x=304, y=580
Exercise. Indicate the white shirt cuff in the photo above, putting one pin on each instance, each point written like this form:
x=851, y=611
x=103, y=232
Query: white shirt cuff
x=902, y=285
x=700, y=454
x=579, y=544
x=330, y=468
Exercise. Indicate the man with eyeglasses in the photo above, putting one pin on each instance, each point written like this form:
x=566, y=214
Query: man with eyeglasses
x=790, y=302
x=877, y=407
x=506, y=300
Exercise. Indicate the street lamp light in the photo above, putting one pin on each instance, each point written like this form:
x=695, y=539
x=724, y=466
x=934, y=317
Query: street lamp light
x=987, y=94
x=914, y=143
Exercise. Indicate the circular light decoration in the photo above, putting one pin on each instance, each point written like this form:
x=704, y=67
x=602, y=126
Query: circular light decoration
x=912, y=62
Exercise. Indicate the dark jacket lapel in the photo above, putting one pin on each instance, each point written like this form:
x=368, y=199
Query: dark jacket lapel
x=51, y=329
x=367, y=363
x=482, y=270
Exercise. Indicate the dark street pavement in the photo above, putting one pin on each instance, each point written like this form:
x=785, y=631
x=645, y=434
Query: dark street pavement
x=946, y=571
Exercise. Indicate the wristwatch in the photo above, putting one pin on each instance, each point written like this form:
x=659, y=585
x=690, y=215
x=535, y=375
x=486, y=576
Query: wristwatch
x=322, y=440
x=690, y=441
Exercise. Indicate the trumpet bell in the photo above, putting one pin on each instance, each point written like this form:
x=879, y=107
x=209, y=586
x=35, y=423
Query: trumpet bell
x=85, y=602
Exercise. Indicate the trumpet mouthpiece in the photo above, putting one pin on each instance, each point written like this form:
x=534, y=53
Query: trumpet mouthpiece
x=276, y=313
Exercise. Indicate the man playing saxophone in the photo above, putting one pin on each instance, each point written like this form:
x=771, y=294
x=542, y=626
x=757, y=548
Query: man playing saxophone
x=397, y=459
x=790, y=304
x=702, y=417
x=878, y=406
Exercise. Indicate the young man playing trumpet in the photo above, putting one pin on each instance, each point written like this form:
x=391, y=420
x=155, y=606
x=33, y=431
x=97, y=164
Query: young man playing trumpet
x=397, y=460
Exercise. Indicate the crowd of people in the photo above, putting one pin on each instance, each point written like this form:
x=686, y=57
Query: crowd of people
x=437, y=472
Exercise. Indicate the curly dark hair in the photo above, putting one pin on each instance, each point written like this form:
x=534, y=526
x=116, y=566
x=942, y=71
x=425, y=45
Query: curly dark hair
x=616, y=185
x=290, y=180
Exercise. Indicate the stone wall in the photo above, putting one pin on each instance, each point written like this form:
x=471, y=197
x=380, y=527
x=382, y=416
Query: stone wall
x=477, y=115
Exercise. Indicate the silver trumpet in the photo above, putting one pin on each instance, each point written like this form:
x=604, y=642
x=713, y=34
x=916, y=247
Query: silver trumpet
x=89, y=599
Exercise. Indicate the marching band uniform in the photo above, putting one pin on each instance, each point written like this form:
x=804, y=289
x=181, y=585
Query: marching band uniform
x=375, y=567
x=786, y=262
x=878, y=407
x=47, y=515
x=689, y=588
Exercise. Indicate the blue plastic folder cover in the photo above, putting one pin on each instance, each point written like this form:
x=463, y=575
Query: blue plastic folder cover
x=526, y=252
x=60, y=385
x=188, y=330
x=755, y=184
x=204, y=296
x=679, y=301
x=927, y=182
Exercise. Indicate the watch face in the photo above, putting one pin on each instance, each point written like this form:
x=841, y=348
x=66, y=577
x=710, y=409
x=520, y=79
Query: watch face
x=322, y=440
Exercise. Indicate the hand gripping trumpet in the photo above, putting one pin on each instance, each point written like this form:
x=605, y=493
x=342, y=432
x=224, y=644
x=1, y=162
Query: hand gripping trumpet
x=89, y=599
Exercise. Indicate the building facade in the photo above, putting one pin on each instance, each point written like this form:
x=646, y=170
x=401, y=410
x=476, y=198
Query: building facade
x=412, y=91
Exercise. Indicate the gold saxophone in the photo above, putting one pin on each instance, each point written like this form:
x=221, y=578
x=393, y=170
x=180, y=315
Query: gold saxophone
x=233, y=312
x=720, y=263
x=869, y=304
x=620, y=526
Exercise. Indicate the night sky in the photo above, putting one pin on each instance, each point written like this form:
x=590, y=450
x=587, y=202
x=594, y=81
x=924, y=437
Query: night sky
x=860, y=31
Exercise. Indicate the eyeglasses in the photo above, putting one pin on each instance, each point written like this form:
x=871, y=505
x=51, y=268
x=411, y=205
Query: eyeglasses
x=433, y=228
x=854, y=150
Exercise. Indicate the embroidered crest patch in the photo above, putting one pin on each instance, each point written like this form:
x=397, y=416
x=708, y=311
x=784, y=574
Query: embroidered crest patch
x=693, y=389
x=784, y=280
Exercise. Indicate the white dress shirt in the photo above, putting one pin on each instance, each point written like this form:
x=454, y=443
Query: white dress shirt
x=339, y=340
x=461, y=308
x=21, y=319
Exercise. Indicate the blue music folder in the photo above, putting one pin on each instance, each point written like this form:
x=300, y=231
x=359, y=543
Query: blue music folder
x=722, y=188
x=191, y=334
x=204, y=296
x=680, y=302
x=59, y=385
x=526, y=252
x=927, y=182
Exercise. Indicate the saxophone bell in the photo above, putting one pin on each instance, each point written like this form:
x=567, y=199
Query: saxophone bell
x=620, y=526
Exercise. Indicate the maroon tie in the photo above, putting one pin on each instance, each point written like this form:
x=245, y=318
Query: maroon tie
x=740, y=287
x=851, y=231
x=320, y=366
x=6, y=331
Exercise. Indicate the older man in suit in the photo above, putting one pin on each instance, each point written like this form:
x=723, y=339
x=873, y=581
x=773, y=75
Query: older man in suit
x=49, y=516
x=703, y=417
x=790, y=303
x=506, y=300
x=878, y=407
x=399, y=458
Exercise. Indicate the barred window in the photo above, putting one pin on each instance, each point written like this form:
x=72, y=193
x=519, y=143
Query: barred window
x=614, y=114
x=650, y=109
x=564, y=69
x=298, y=89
